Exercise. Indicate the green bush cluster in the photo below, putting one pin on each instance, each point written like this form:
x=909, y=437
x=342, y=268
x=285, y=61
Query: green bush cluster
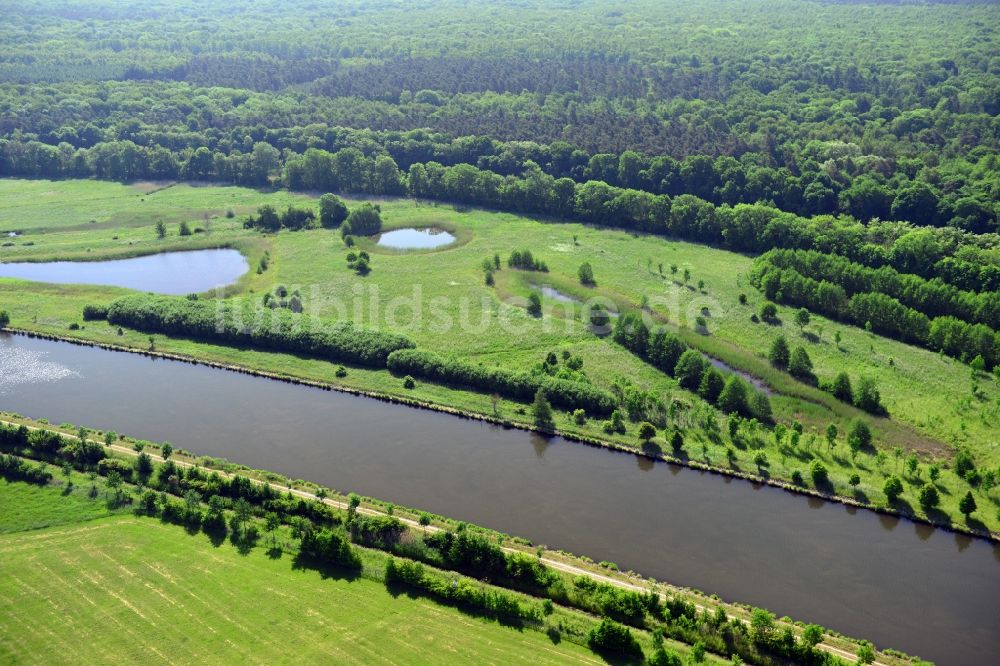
x=238, y=324
x=693, y=372
x=563, y=393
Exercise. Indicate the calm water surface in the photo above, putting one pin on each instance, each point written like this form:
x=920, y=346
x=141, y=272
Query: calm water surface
x=415, y=239
x=189, y=272
x=898, y=583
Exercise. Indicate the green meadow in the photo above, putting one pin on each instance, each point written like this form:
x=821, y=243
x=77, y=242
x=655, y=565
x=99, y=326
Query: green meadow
x=174, y=598
x=439, y=299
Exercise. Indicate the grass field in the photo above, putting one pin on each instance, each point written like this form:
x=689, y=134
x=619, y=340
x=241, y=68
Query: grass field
x=123, y=589
x=26, y=506
x=930, y=398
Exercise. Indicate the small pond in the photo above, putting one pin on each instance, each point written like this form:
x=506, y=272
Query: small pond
x=756, y=383
x=415, y=239
x=174, y=273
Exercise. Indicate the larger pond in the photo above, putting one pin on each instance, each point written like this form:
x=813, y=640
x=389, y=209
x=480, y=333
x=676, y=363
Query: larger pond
x=188, y=272
x=899, y=583
x=415, y=239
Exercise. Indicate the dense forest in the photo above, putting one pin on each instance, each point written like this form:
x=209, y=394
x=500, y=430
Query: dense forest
x=876, y=111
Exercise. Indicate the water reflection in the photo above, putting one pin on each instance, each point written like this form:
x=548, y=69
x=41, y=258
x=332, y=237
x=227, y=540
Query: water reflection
x=174, y=273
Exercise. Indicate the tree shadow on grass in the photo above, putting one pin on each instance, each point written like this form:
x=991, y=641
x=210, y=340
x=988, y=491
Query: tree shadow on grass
x=275, y=552
x=616, y=658
x=397, y=589
x=216, y=535
x=861, y=496
x=325, y=569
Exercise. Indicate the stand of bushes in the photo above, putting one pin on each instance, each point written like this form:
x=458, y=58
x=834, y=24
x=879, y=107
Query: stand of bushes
x=669, y=353
x=519, y=386
x=240, y=324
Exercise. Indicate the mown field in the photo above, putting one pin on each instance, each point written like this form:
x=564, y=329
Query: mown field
x=933, y=410
x=125, y=589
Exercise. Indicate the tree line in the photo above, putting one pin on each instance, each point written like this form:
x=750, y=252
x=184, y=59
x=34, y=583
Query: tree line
x=881, y=314
x=932, y=297
x=242, y=324
x=564, y=393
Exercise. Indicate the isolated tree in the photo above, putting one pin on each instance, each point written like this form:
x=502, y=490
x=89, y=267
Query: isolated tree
x=4, y=319
x=161, y=229
x=967, y=505
x=928, y=497
x=534, y=304
x=841, y=388
x=541, y=411
x=855, y=480
x=332, y=211
x=677, y=442
x=760, y=460
x=144, y=465
x=831, y=435
x=768, y=311
x=800, y=365
x=812, y=635
x=761, y=626
x=184, y=229
x=859, y=436
x=353, y=502
x=779, y=354
x=819, y=474
x=599, y=317
x=868, y=397
x=802, y=318
x=647, y=431
x=866, y=653
x=892, y=488
x=241, y=514
x=586, y=274
x=267, y=218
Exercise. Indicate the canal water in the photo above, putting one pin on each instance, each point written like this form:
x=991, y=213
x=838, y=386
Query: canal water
x=898, y=583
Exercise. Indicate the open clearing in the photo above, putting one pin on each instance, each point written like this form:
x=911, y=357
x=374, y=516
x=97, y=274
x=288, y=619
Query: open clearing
x=153, y=594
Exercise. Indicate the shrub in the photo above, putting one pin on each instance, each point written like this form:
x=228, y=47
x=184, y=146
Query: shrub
x=819, y=474
x=610, y=636
x=586, y=274
x=95, y=312
x=332, y=211
x=928, y=497
x=331, y=547
x=408, y=382
x=365, y=220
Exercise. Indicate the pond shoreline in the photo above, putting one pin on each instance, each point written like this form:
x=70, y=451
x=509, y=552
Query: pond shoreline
x=509, y=424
